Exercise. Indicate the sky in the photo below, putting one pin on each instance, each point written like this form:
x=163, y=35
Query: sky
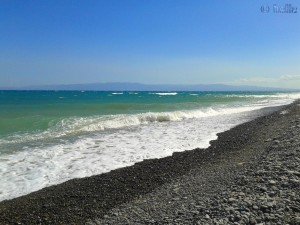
x=152, y=42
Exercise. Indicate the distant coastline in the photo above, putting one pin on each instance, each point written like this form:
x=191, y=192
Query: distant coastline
x=120, y=86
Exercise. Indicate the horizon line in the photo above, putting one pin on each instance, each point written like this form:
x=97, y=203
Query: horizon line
x=68, y=87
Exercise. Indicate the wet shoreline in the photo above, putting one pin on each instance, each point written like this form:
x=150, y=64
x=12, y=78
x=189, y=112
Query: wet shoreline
x=93, y=198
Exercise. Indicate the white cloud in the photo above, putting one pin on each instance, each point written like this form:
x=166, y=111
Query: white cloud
x=289, y=77
x=254, y=79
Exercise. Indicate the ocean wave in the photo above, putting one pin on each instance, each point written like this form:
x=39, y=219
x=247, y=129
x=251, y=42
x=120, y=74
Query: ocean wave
x=158, y=135
x=73, y=126
x=117, y=93
x=163, y=93
x=272, y=96
x=80, y=125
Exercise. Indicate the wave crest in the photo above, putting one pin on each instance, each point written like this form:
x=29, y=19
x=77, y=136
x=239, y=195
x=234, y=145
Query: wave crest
x=164, y=93
x=77, y=125
x=80, y=125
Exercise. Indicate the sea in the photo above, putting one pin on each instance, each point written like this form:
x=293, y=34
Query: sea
x=49, y=137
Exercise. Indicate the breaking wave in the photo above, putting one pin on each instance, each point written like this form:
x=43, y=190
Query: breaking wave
x=164, y=93
x=80, y=125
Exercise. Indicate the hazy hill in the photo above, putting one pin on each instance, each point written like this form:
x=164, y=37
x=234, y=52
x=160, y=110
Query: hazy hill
x=148, y=87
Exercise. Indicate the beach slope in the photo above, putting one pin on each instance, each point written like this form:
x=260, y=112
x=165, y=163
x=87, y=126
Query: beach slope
x=249, y=175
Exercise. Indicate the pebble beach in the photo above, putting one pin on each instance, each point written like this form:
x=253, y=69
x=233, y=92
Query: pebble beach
x=249, y=175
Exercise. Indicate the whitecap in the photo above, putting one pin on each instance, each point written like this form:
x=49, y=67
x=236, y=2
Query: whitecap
x=164, y=93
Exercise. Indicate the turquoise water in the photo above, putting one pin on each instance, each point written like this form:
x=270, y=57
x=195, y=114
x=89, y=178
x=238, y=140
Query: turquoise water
x=30, y=111
x=48, y=137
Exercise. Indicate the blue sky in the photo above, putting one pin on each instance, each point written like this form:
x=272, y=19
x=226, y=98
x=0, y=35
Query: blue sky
x=157, y=41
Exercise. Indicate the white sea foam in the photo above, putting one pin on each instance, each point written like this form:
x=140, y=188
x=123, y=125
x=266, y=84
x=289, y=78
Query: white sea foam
x=164, y=93
x=34, y=168
x=81, y=125
x=117, y=93
x=84, y=146
x=290, y=96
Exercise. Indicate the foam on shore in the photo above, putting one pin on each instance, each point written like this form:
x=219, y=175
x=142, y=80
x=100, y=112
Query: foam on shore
x=85, y=146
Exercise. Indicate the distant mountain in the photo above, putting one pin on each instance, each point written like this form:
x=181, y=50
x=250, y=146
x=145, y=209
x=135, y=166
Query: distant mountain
x=148, y=87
